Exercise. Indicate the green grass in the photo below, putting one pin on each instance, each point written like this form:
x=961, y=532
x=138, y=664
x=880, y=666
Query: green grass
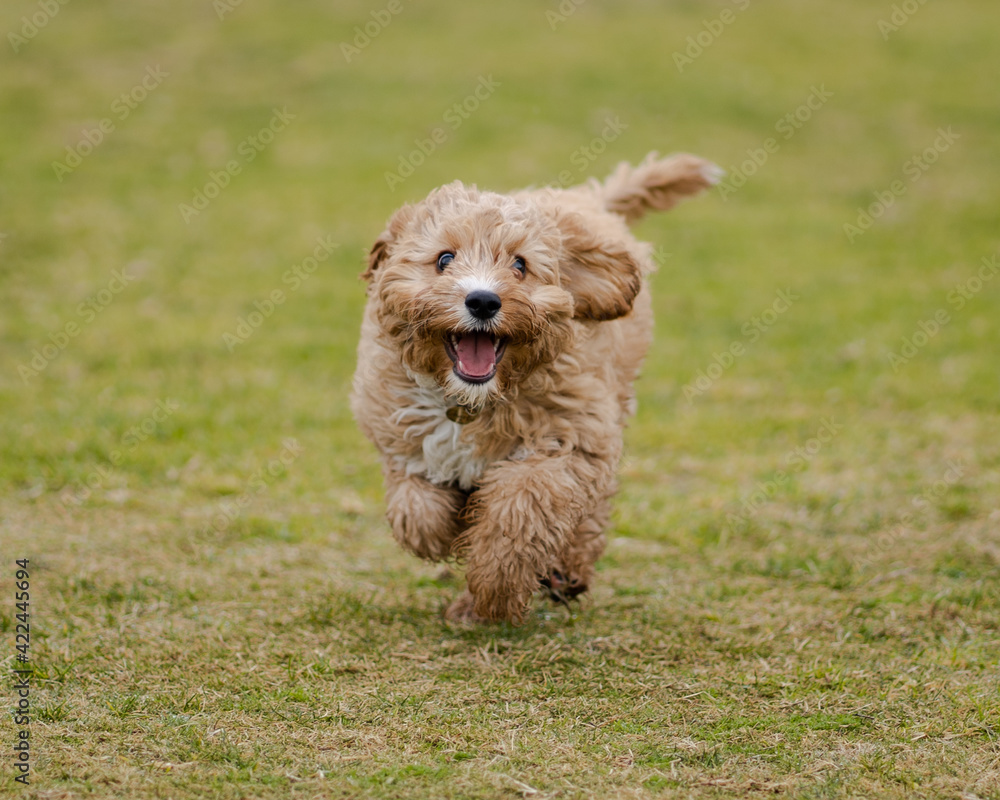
x=774, y=615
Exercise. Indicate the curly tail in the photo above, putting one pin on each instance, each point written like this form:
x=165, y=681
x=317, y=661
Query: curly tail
x=657, y=184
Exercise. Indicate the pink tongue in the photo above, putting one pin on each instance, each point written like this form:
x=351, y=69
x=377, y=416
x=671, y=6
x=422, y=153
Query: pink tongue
x=475, y=351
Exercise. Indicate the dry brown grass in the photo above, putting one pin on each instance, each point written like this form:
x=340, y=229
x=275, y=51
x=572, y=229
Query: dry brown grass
x=168, y=665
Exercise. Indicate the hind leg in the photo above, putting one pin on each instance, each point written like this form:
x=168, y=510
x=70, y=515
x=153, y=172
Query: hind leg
x=574, y=572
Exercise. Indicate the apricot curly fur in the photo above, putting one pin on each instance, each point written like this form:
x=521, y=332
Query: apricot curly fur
x=521, y=494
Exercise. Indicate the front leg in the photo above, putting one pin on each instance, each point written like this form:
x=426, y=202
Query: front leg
x=425, y=517
x=523, y=518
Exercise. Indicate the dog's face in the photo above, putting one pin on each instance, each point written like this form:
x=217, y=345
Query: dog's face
x=477, y=289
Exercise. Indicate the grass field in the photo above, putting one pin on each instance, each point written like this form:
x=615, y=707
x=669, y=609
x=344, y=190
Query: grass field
x=801, y=596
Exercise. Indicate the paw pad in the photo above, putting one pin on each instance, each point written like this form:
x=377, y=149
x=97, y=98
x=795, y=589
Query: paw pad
x=561, y=588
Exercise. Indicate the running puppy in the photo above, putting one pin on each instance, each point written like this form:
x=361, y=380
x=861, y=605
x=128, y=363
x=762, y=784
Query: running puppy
x=499, y=345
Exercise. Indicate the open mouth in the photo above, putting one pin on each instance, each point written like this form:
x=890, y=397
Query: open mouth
x=475, y=354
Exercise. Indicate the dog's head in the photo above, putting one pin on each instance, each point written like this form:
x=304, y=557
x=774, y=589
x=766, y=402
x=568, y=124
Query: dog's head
x=478, y=289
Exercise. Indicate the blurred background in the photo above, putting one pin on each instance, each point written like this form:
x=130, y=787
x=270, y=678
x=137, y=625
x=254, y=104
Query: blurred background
x=121, y=119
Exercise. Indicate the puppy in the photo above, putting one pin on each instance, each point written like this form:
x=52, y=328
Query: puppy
x=500, y=342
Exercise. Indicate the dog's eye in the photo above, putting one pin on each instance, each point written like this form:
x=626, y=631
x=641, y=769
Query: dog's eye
x=444, y=260
x=519, y=265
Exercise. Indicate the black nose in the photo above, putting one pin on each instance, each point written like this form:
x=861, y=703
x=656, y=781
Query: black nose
x=482, y=304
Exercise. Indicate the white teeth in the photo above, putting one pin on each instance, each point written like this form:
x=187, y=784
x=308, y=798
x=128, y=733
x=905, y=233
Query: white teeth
x=461, y=366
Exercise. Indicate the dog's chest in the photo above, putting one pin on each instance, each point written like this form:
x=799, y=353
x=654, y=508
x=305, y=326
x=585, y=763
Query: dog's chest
x=445, y=455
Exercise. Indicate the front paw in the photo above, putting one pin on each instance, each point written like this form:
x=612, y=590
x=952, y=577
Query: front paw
x=423, y=540
x=424, y=517
x=501, y=601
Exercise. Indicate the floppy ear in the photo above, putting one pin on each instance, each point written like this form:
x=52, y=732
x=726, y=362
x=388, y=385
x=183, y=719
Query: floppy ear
x=601, y=274
x=388, y=237
x=375, y=256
